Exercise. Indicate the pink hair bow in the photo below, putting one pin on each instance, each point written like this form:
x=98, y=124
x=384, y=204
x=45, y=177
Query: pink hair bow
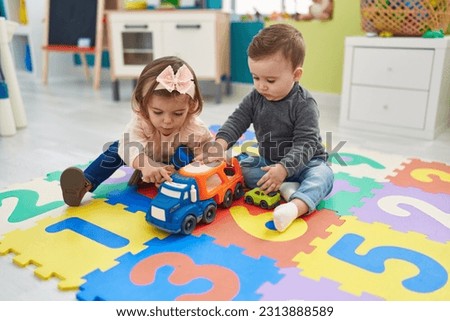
x=182, y=81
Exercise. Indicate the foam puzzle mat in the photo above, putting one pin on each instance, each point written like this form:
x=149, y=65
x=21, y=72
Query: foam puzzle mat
x=383, y=233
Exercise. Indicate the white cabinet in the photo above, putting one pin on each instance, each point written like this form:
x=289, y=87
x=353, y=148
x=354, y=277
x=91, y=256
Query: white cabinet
x=200, y=37
x=132, y=46
x=396, y=85
x=195, y=42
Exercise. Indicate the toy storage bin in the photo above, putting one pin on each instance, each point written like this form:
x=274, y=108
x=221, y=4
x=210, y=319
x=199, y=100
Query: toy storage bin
x=214, y=4
x=405, y=17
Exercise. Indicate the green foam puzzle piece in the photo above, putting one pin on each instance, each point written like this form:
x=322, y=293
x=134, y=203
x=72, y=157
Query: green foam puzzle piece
x=342, y=201
x=354, y=159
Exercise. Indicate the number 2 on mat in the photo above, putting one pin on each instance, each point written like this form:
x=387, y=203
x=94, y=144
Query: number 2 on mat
x=26, y=206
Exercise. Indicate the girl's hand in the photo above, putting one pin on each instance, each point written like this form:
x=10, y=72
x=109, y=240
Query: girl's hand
x=272, y=180
x=170, y=169
x=157, y=173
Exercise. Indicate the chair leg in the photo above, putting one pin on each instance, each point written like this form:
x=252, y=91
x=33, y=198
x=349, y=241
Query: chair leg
x=218, y=93
x=85, y=66
x=97, y=69
x=115, y=90
x=45, y=67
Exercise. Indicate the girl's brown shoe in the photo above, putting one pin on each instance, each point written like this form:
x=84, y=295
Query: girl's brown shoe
x=74, y=185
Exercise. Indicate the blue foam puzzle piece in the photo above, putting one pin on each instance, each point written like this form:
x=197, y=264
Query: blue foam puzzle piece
x=117, y=284
x=91, y=231
x=130, y=197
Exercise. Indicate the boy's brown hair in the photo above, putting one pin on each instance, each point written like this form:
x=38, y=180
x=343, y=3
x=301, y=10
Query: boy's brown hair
x=278, y=37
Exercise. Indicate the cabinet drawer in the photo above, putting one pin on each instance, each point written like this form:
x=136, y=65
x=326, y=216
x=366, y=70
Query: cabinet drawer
x=395, y=107
x=392, y=67
x=193, y=41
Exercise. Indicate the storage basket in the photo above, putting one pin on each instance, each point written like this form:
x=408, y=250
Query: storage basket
x=405, y=17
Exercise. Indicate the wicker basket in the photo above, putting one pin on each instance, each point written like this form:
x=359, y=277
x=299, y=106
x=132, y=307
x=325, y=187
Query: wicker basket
x=405, y=17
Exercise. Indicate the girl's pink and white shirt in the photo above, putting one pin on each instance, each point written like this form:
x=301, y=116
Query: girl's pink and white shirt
x=141, y=136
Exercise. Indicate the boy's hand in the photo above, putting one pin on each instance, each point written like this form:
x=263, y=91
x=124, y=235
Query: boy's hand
x=272, y=180
x=213, y=151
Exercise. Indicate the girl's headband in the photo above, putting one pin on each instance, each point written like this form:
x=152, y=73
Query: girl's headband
x=181, y=81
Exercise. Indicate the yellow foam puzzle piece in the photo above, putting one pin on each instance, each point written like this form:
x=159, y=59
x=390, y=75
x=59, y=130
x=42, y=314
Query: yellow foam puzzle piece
x=423, y=175
x=70, y=253
x=387, y=284
x=255, y=225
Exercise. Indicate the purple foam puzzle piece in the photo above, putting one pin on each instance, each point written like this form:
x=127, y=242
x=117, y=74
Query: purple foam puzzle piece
x=409, y=209
x=293, y=286
x=115, y=180
x=341, y=185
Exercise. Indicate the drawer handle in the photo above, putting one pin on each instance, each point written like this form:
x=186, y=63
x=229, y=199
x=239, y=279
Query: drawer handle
x=188, y=26
x=136, y=26
x=385, y=107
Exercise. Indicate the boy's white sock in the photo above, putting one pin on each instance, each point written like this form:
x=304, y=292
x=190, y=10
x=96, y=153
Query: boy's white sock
x=284, y=215
x=287, y=189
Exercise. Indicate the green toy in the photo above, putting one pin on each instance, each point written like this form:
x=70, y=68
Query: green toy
x=259, y=198
x=433, y=34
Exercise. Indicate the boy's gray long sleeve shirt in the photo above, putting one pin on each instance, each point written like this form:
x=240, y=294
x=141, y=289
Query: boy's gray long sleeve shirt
x=287, y=130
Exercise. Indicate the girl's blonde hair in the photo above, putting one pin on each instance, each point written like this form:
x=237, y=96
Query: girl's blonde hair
x=147, y=83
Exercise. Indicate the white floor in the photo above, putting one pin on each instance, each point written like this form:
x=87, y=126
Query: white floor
x=69, y=122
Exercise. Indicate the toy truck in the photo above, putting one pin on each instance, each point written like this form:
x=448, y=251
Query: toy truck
x=194, y=194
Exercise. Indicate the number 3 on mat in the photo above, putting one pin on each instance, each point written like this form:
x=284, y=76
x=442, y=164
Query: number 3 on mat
x=431, y=277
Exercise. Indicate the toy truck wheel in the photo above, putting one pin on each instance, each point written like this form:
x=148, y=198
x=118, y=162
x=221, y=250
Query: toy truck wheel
x=264, y=205
x=188, y=224
x=209, y=215
x=227, y=199
x=238, y=191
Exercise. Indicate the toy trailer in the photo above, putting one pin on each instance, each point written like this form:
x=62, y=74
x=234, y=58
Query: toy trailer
x=193, y=196
x=217, y=180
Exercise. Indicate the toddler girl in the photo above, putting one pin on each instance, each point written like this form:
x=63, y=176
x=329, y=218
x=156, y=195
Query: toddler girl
x=166, y=103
